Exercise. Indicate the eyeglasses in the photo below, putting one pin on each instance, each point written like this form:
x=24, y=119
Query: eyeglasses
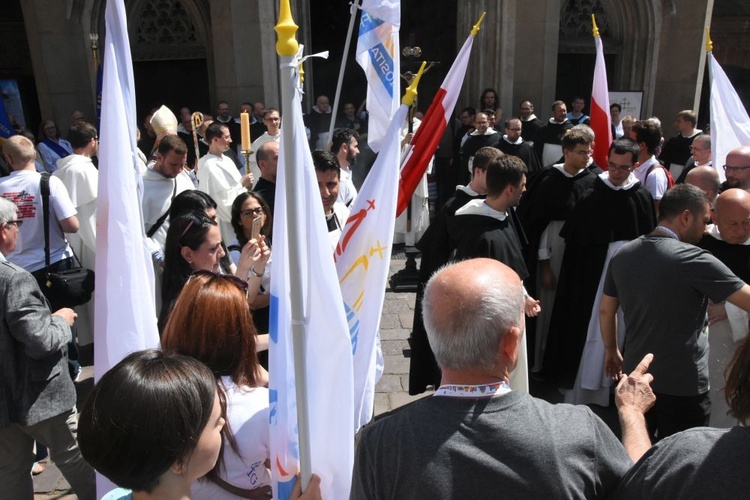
x=201, y=220
x=251, y=212
x=17, y=222
x=239, y=282
x=621, y=168
x=727, y=168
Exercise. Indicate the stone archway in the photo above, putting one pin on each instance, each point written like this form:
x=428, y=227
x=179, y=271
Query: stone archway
x=177, y=32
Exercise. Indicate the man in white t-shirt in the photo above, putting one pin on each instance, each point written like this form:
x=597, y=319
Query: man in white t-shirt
x=22, y=188
x=647, y=134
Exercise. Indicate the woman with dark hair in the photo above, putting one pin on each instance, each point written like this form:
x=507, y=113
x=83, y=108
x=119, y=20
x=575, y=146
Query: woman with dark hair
x=193, y=243
x=193, y=200
x=50, y=146
x=212, y=323
x=153, y=424
x=246, y=207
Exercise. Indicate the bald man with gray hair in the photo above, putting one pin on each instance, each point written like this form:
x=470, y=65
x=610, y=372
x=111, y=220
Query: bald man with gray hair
x=475, y=434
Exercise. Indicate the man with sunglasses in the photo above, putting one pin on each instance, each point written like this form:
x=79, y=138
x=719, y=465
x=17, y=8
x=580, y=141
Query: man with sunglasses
x=737, y=169
x=615, y=210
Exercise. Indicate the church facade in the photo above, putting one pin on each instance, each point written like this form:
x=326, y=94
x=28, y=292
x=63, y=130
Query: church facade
x=196, y=52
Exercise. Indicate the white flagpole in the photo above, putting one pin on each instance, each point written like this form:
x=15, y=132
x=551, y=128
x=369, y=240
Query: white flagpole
x=335, y=107
x=287, y=47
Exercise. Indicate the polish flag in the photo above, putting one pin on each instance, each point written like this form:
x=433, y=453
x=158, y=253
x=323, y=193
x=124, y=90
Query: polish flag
x=425, y=141
x=601, y=122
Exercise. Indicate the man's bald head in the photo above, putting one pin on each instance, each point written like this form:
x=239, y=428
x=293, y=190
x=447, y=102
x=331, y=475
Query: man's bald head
x=732, y=216
x=737, y=167
x=705, y=178
x=468, y=307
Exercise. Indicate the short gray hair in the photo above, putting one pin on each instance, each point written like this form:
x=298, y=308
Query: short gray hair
x=468, y=337
x=8, y=210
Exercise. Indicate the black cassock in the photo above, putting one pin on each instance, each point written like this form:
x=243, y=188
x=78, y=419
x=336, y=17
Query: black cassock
x=524, y=151
x=436, y=251
x=735, y=257
x=602, y=215
x=477, y=236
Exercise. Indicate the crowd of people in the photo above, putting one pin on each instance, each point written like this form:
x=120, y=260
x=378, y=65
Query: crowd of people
x=631, y=276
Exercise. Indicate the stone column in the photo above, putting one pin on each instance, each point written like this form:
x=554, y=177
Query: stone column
x=244, y=57
x=62, y=60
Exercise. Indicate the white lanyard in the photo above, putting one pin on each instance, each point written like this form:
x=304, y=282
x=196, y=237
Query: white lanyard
x=473, y=391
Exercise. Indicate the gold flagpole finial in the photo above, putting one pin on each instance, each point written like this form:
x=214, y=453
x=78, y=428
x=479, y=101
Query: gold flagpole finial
x=475, y=29
x=595, y=28
x=411, y=90
x=709, y=43
x=286, y=31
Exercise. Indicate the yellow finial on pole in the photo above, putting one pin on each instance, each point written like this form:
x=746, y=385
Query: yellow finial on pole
x=475, y=29
x=595, y=28
x=286, y=30
x=709, y=43
x=411, y=90
x=301, y=73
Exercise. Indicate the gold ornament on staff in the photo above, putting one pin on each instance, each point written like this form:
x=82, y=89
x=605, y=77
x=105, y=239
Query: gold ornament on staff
x=197, y=119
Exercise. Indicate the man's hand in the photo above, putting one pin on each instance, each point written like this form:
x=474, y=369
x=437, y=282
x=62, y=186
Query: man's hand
x=531, y=307
x=613, y=364
x=546, y=275
x=69, y=315
x=716, y=312
x=634, y=390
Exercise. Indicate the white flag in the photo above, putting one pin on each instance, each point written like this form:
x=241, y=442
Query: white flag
x=378, y=54
x=328, y=346
x=125, y=315
x=730, y=125
x=363, y=258
x=125, y=319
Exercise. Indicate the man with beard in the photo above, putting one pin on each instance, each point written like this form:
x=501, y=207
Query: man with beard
x=615, y=210
x=345, y=147
x=737, y=169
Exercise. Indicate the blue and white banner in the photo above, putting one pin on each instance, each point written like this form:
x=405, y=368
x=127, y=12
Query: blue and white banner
x=378, y=54
x=328, y=353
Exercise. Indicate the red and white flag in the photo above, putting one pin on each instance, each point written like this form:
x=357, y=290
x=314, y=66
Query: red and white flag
x=425, y=141
x=601, y=121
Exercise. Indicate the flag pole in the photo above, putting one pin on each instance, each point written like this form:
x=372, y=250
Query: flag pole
x=335, y=107
x=287, y=48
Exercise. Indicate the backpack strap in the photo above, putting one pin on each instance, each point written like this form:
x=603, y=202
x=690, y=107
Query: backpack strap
x=44, y=188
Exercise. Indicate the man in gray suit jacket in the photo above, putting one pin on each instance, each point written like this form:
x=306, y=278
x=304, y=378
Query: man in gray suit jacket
x=37, y=398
